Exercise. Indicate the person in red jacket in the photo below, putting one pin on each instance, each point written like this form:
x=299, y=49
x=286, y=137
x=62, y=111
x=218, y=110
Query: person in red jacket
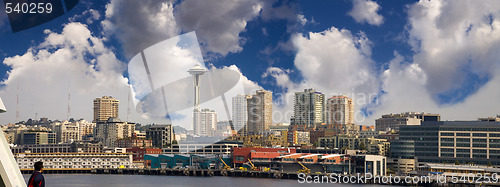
x=37, y=179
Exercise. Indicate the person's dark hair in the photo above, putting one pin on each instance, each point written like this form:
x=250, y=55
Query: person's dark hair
x=38, y=166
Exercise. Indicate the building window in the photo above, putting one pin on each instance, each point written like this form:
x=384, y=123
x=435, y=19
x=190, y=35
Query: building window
x=239, y=158
x=463, y=144
x=447, y=139
x=447, y=134
x=479, y=134
x=447, y=150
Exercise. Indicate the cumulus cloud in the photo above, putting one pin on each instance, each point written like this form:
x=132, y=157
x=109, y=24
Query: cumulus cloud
x=276, y=9
x=218, y=24
x=139, y=24
x=45, y=72
x=366, y=11
x=334, y=62
x=404, y=87
x=452, y=42
x=77, y=58
x=455, y=41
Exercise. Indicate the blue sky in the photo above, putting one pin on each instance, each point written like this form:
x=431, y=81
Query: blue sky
x=390, y=56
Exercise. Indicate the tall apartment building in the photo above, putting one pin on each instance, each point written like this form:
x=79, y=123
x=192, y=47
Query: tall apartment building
x=309, y=107
x=260, y=112
x=340, y=110
x=475, y=142
x=394, y=121
x=111, y=130
x=160, y=135
x=297, y=137
x=66, y=131
x=104, y=108
x=240, y=111
x=86, y=128
x=205, y=122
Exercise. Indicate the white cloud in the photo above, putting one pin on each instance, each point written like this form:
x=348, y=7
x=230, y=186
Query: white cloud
x=453, y=40
x=366, y=11
x=301, y=19
x=89, y=16
x=280, y=76
x=336, y=60
x=95, y=15
x=139, y=24
x=333, y=62
x=218, y=24
x=44, y=73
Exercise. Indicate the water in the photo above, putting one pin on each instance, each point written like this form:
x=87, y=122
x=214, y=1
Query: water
x=65, y=180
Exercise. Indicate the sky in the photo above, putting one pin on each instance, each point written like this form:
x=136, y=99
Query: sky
x=389, y=56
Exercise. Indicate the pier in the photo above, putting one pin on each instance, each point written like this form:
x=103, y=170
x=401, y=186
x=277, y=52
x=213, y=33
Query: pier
x=232, y=173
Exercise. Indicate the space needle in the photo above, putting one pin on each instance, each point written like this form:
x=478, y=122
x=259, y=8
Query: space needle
x=197, y=71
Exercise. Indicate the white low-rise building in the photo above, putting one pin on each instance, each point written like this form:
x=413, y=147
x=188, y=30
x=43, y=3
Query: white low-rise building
x=74, y=160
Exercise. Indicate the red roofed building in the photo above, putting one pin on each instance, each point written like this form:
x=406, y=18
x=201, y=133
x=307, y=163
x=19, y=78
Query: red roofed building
x=243, y=154
x=139, y=152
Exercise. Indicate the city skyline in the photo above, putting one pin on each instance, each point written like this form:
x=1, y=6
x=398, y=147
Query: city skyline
x=393, y=66
x=278, y=89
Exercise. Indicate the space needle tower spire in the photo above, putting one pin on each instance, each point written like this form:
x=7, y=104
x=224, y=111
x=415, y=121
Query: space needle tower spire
x=197, y=71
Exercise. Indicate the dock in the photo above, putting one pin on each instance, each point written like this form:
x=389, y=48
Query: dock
x=228, y=173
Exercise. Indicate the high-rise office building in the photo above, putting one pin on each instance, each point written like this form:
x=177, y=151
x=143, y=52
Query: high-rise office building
x=260, y=112
x=340, y=110
x=240, y=111
x=466, y=142
x=160, y=135
x=104, y=108
x=37, y=138
x=394, y=121
x=113, y=129
x=309, y=108
x=204, y=122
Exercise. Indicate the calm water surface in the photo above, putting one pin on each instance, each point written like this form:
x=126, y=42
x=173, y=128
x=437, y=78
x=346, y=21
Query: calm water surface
x=65, y=180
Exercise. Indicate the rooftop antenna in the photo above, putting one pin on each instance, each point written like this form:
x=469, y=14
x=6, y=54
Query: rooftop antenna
x=17, y=104
x=69, y=99
x=128, y=104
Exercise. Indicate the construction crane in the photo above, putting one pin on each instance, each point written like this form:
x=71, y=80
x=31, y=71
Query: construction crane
x=304, y=169
x=226, y=167
x=252, y=167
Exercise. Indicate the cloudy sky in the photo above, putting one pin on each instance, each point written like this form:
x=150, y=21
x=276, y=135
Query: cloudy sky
x=389, y=56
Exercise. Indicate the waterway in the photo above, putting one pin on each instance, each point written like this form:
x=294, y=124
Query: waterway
x=80, y=180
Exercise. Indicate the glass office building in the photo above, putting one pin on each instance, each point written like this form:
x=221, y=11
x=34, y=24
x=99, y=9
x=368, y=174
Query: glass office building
x=468, y=142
